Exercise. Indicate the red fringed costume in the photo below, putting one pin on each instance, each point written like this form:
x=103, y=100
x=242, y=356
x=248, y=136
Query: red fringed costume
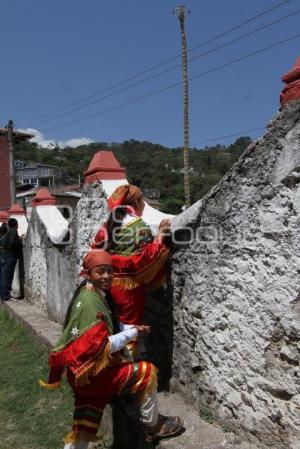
x=138, y=260
x=94, y=374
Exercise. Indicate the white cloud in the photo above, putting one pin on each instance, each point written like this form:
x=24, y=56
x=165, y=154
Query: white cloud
x=50, y=143
x=39, y=138
x=75, y=142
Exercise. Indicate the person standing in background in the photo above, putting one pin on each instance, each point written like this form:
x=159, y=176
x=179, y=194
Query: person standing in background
x=3, y=231
x=12, y=249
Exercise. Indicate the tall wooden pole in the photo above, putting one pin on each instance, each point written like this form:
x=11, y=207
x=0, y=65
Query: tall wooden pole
x=181, y=13
x=10, y=134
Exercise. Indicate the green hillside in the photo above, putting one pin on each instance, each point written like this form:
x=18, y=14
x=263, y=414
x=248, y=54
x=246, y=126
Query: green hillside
x=148, y=165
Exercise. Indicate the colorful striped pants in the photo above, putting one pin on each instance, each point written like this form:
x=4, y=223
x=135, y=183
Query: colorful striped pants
x=121, y=378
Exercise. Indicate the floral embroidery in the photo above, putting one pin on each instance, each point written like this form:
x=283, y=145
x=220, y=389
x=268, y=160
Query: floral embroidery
x=75, y=331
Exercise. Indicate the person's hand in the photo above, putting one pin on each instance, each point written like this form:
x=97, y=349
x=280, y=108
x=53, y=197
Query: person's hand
x=164, y=229
x=142, y=329
x=165, y=224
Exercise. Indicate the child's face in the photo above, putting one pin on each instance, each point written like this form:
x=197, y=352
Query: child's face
x=101, y=276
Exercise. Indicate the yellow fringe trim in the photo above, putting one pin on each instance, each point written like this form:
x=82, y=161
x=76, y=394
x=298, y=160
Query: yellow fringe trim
x=128, y=283
x=80, y=436
x=144, y=277
x=49, y=386
x=152, y=384
x=153, y=379
x=86, y=423
x=92, y=369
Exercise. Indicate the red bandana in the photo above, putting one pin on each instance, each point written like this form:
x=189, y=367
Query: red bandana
x=118, y=196
x=94, y=258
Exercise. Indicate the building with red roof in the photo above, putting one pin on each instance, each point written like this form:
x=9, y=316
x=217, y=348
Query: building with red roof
x=104, y=166
x=5, y=194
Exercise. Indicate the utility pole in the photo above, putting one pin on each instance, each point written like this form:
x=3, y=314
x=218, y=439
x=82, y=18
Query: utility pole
x=181, y=12
x=10, y=139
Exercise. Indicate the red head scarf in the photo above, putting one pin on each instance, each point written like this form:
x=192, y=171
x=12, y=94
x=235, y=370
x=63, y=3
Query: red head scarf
x=126, y=195
x=118, y=197
x=94, y=258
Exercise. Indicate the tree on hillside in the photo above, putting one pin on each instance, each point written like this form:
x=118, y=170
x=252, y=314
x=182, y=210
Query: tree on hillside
x=148, y=165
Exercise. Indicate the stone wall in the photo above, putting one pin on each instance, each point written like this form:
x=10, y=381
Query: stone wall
x=236, y=292
x=52, y=270
x=234, y=329
x=35, y=263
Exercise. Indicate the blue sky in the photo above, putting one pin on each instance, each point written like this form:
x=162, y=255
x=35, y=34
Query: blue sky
x=55, y=52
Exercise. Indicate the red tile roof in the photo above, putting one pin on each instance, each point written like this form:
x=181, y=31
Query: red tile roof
x=104, y=166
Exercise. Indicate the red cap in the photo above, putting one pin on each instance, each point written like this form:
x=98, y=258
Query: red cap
x=94, y=258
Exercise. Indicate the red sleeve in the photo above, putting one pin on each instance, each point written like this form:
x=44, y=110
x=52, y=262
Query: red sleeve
x=137, y=269
x=100, y=237
x=85, y=356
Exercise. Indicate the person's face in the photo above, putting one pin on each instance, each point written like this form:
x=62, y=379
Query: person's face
x=140, y=206
x=101, y=276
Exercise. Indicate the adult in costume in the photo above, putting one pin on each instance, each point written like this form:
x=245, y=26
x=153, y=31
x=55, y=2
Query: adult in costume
x=138, y=259
x=91, y=353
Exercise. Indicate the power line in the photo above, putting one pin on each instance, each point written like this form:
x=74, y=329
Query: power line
x=226, y=44
x=241, y=133
x=236, y=27
x=213, y=38
x=163, y=89
x=243, y=36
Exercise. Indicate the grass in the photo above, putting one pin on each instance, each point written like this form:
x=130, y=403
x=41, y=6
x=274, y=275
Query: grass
x=31, y=417
x=206, y=414
x=226, y=429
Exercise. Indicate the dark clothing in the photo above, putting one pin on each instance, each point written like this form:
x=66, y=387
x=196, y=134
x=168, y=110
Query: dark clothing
x=7, y=269
x=10, y=252
x=12, y=244
x=2, y=250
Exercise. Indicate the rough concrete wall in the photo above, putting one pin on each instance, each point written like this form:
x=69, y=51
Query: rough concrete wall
x=35, y=263
x=90, y=213
x=52, y=271
x=59, y=280
x=235, y=289
x=236, y=292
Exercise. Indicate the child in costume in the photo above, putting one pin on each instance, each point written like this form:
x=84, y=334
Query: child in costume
x=138, y=259
x=91, y=352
